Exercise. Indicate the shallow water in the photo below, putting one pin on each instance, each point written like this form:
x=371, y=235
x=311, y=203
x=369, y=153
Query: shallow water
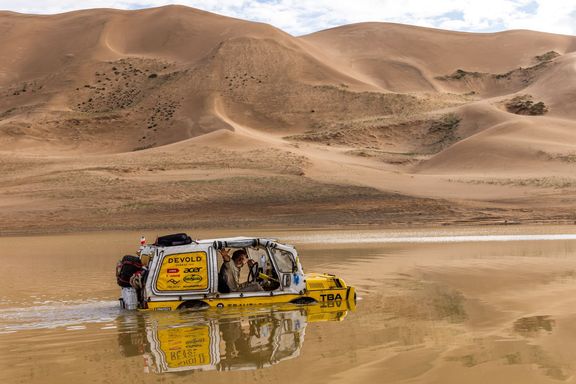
x=435, y=307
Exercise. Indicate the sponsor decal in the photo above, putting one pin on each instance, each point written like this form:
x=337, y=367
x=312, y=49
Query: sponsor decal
x=183, y=272
x=192, y=278
x=243, y=304
x=184, y=259
x=296, y=279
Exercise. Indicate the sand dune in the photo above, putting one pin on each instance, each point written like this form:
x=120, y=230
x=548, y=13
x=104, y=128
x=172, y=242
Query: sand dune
x=557, y=89
x=430, y=52
x=514, y=147
x=464, y=127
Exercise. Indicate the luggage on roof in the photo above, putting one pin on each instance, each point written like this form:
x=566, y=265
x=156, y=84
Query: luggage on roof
x=173, y=240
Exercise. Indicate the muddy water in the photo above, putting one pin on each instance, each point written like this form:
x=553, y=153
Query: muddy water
x=434, y=308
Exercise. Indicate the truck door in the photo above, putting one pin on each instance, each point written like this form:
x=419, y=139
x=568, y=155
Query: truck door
x=183, y=270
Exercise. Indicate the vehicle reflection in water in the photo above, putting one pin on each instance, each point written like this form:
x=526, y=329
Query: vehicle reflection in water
x=250, y=338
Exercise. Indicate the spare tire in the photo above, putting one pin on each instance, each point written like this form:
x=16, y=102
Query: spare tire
x=127, y=267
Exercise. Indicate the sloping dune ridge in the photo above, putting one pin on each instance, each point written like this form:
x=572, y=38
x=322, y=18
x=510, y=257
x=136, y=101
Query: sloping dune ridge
x=173, y=116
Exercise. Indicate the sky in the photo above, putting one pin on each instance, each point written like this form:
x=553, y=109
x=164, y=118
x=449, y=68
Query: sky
x=307, y=16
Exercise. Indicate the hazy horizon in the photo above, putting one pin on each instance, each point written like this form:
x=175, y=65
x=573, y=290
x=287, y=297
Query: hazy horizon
x=299, y=18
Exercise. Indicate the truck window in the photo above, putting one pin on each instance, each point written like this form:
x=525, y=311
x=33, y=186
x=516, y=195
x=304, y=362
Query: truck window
x=285, y=261
x=256, y=282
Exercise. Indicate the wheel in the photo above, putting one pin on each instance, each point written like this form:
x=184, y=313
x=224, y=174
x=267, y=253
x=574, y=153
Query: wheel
x=253, y=273
x=194, y=305
x=303, y=301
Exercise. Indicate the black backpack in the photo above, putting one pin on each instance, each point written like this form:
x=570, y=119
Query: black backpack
x=125, y=268
x=173, y=240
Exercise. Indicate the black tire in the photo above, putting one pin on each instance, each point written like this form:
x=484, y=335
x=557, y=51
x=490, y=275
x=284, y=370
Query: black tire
x=194, y=305
x=303, y=301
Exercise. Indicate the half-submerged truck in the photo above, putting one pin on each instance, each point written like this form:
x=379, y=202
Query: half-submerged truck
x=177, y=272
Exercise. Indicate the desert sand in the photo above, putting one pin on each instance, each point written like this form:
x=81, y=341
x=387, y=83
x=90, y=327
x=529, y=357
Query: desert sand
x=172, y=117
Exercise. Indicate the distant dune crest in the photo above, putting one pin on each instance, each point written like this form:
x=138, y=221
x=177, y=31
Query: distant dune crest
x=159, y=73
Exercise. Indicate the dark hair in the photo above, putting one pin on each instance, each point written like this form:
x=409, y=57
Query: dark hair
x=238, y=254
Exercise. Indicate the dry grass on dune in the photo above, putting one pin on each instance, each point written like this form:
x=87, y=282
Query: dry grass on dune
x=423, y=136
x=494, y=84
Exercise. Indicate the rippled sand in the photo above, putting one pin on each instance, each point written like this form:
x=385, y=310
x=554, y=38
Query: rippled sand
x=435, y=307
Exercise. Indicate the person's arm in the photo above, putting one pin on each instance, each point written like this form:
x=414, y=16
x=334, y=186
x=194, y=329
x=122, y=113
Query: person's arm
x=225, y=253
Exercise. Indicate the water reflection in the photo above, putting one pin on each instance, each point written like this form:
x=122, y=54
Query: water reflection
x=510, y=352
x=211, y=340
x=431, y=313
